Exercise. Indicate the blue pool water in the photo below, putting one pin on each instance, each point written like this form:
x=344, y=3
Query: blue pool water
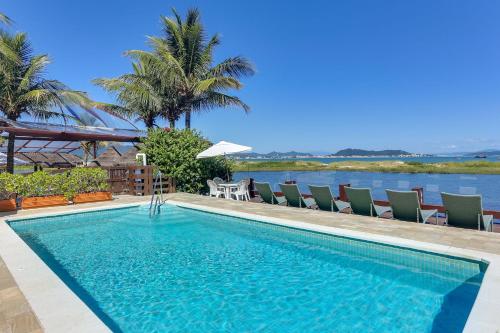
x=191, y=271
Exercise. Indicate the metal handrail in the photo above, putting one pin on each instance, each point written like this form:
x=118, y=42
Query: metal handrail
x=159, y=198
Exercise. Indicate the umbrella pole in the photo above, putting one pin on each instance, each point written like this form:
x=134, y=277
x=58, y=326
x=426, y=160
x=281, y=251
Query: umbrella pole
x=227, y=168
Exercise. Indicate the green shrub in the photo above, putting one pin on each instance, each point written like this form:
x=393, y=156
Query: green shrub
x=85, y=180
x=41, y=183
x=414, y=163
x=8, y=185
x=69, y=183
x=174, y=153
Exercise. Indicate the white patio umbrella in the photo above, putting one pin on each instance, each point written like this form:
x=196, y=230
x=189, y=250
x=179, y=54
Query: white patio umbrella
x=17, y=161
x=223, y=148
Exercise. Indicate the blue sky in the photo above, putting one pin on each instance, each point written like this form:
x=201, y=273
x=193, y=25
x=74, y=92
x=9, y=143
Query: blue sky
x=417, y=75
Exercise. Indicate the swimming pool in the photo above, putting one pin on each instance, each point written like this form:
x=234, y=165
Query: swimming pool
x=187, y=270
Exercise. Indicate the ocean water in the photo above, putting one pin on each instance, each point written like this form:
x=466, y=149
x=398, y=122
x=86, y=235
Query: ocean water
x=433, y=184
x=190, y=271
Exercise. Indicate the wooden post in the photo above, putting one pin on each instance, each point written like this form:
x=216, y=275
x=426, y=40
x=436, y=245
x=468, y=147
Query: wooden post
x=420, y=192
x=342, y=194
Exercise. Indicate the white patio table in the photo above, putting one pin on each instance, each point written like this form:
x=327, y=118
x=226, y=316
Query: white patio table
x=227, y=189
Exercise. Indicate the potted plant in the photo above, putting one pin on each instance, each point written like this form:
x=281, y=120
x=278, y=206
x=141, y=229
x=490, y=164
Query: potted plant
x=8, y=183
x=41, y=189
x=88, y=185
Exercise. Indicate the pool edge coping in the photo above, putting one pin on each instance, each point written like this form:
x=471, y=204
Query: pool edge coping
x=482, y=318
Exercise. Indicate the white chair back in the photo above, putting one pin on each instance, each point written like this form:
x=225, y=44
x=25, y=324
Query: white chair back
x=212, y=186
x=243, y=186
x=218, y=180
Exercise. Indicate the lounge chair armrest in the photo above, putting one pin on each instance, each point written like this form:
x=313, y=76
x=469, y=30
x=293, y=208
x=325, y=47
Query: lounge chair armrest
x=427, y=213
x=341, y=205
x=281, y=200
x=309, y=202
x=488, y=222
x=381, y=209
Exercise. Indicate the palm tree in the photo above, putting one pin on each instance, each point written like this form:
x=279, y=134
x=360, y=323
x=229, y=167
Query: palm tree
x=178, y=76
x=188, y=51
x=142, y=94
x=24, y=90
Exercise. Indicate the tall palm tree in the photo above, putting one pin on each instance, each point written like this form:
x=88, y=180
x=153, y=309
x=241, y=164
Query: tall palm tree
x=178, y=76
x=185, y=47
x=142, y=94
x=25, y=91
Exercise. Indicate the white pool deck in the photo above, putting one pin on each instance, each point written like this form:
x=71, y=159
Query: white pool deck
x=58, y=309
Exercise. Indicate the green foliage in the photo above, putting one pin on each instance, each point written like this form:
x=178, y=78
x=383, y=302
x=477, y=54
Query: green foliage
x=8, y=185
x=40, y=184
x=174, y=152
x=482, y=167
x=85, y=180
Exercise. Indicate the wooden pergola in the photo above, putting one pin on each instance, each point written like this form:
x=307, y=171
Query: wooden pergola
x=60, y=138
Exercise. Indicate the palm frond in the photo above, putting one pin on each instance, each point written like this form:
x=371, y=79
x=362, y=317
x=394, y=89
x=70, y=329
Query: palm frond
x=215, y=99
x=5, y=19
x=234, y=67
x=217, y=83
x=33, y=72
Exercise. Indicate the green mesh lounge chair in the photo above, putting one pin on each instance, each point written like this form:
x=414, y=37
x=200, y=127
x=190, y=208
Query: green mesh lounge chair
x=406, y=206
x=362, y=202
x=466, y=211
x=325, y=200
x=267, y=194
x=294, y=198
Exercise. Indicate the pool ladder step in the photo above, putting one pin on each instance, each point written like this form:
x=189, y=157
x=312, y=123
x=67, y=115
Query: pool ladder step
x=156, y=199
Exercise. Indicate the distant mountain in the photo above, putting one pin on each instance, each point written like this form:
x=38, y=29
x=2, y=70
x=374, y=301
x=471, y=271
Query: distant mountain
x=362, y=152
x=344, y=152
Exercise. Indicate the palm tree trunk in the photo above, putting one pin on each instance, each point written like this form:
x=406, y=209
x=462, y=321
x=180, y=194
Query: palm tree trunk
x=188, y=119
x=10, y=152
x=171, y=123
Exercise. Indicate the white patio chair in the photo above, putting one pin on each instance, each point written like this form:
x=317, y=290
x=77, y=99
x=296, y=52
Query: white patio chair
x=215, y=191
x=241, y=191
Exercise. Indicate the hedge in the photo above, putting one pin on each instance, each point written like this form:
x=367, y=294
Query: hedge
x=41, y=183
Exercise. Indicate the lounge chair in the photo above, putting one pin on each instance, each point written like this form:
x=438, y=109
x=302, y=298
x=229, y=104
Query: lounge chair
x=406, y=206
x=325, y=200
x=362, y=202
x=294, y=198
x=267, y=194
x=466, y=211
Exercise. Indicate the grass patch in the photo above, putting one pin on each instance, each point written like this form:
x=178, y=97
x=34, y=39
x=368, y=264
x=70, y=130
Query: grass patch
x=470, y=167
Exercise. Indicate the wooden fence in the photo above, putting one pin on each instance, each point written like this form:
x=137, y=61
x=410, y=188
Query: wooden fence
x=135, y=180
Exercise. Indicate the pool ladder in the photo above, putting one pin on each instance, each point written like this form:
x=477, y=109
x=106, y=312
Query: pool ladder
x=156, y=199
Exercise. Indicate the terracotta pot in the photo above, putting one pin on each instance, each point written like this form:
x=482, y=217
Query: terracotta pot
x=7, y=205
x=92, y=197
x=48, y=201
